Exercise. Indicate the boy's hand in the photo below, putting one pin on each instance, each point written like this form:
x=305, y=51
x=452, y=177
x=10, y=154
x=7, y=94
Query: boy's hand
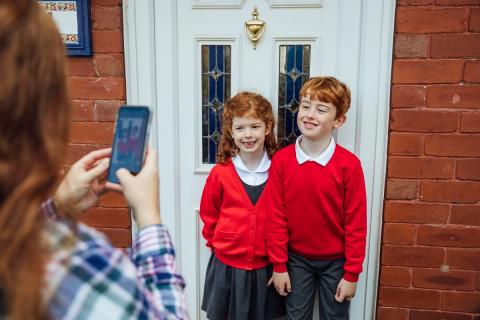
x=281, y=281
x=345, y=290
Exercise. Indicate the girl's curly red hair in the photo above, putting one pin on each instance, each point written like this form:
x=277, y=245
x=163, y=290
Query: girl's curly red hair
x=245, y=104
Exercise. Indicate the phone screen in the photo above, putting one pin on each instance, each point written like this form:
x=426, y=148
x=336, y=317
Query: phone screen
x=131, y=134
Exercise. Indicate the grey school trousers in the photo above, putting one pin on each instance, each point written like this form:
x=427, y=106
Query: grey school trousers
x=306, y=276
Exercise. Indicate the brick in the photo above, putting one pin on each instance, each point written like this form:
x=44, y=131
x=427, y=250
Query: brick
x=470, y=122
x=456, y=2
x=97, y=88
x=106, y=3
x=107, y=217
x=450, y=191
x=82, y=110
x=478, y=284
x=431, y=20
x=465, y=214
x=435, y=315
x=120, y=238
x=109, y=65
x=423, y=121
x=472, y=71
x=409, y=298
x=415, y=212
x=401, y=189
x=461, y=301
x=468, y=259
x=448, y=236
x=104, y=18
x=113, y=200
x=427, y=71
x=76, y=151
x=411, y=46
x=80, y=66
x=468, y=169
x=386, y=313
x=106, y=110
x=474, y=25
x=405, y=144
x=107, y=41
x=463, y=96
x=412, y=256
x=399, y=233
x=437, y=168
x=410, y=167
x=436, y=279
x=414, y=2
x=395, y=276
x=455, y=45
x=453, y=145
x=408, y=96
x=92, y=132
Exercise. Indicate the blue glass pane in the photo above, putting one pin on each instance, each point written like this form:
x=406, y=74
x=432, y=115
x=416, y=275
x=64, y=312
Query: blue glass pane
x=220, y=58
x=292, y=75
x=216, y=85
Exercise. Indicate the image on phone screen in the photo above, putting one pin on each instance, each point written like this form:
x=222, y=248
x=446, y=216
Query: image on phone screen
x=129, y=141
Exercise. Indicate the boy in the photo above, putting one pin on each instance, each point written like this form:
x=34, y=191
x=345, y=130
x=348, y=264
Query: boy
x=317, y=216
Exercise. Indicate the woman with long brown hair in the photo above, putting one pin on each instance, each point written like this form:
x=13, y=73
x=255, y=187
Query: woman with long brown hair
x=50, y=265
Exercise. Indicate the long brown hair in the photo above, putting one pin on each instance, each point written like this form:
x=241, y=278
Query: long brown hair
x=34, y=127
x=245, y=103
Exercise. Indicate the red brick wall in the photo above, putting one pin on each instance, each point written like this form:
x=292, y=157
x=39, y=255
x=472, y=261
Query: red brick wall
x=430, y=261
x=98, y=89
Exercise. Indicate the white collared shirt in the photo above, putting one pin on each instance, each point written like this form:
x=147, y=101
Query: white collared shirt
x=322, y=159
x=253, y=178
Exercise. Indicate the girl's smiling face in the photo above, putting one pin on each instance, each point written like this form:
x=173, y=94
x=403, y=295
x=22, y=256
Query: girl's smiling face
x=249, y=134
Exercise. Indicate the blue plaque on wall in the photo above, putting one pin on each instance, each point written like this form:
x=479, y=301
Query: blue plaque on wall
x=73, y=20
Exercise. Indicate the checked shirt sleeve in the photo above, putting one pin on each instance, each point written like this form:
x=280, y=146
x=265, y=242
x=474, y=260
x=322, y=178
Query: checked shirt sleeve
x=97, y=281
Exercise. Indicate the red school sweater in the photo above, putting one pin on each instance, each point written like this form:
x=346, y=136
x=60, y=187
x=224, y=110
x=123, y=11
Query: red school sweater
x=318, y=212
x=233, y=226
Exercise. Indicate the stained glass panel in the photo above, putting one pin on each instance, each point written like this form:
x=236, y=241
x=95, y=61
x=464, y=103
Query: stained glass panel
x=294, y=70
x=216, y=84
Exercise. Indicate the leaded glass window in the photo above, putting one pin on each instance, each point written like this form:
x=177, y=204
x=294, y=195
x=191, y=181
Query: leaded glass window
x=294, y=70
x=216, y=89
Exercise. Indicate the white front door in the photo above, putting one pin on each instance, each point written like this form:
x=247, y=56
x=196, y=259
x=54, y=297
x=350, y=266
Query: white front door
x=186, y=57
x=216, y=60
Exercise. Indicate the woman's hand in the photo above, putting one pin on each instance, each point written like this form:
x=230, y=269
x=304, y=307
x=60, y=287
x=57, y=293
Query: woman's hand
x=83, y=185
x=141, y=191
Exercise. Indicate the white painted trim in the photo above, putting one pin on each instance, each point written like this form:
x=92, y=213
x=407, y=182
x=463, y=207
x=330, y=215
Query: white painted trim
x=295, y=3
x=374, y=82
x=147, y=42
x=212, y=4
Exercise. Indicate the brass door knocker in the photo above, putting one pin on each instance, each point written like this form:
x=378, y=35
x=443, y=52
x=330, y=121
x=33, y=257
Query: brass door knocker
x=255, y=28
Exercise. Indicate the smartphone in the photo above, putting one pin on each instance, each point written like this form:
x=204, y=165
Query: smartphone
x=130, y=140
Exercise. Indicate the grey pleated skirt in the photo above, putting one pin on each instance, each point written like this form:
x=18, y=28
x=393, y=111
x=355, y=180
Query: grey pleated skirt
x=237, y=294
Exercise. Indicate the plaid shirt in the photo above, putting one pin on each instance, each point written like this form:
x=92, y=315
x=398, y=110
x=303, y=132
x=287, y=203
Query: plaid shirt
x=86, y=278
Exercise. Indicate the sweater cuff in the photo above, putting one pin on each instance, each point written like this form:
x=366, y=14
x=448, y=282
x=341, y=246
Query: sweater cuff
x=280, y=267
x=350, y=277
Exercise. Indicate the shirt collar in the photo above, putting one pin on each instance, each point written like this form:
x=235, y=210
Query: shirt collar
x=262, y=167
x=322, y=159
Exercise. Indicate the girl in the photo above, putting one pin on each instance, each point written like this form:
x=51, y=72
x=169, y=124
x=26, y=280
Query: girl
x=233, y=211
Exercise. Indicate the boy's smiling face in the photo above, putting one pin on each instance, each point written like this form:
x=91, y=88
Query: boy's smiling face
x=316, y=119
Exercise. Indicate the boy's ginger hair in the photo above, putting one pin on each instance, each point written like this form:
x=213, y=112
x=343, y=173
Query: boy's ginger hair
x=330, y=90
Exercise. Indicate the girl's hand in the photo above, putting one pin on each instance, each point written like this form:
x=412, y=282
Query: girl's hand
x=345, y=290
x=281, y=281
x=141, y=191
x=83, y=185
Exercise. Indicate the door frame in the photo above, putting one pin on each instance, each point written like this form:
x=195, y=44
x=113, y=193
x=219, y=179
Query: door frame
x=148, y=41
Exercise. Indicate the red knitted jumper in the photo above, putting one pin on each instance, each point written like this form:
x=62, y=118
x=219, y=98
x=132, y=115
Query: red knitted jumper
x=233, y=226
x=316, y=211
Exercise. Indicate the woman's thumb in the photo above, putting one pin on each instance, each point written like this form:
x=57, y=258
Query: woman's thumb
x=124, y=176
